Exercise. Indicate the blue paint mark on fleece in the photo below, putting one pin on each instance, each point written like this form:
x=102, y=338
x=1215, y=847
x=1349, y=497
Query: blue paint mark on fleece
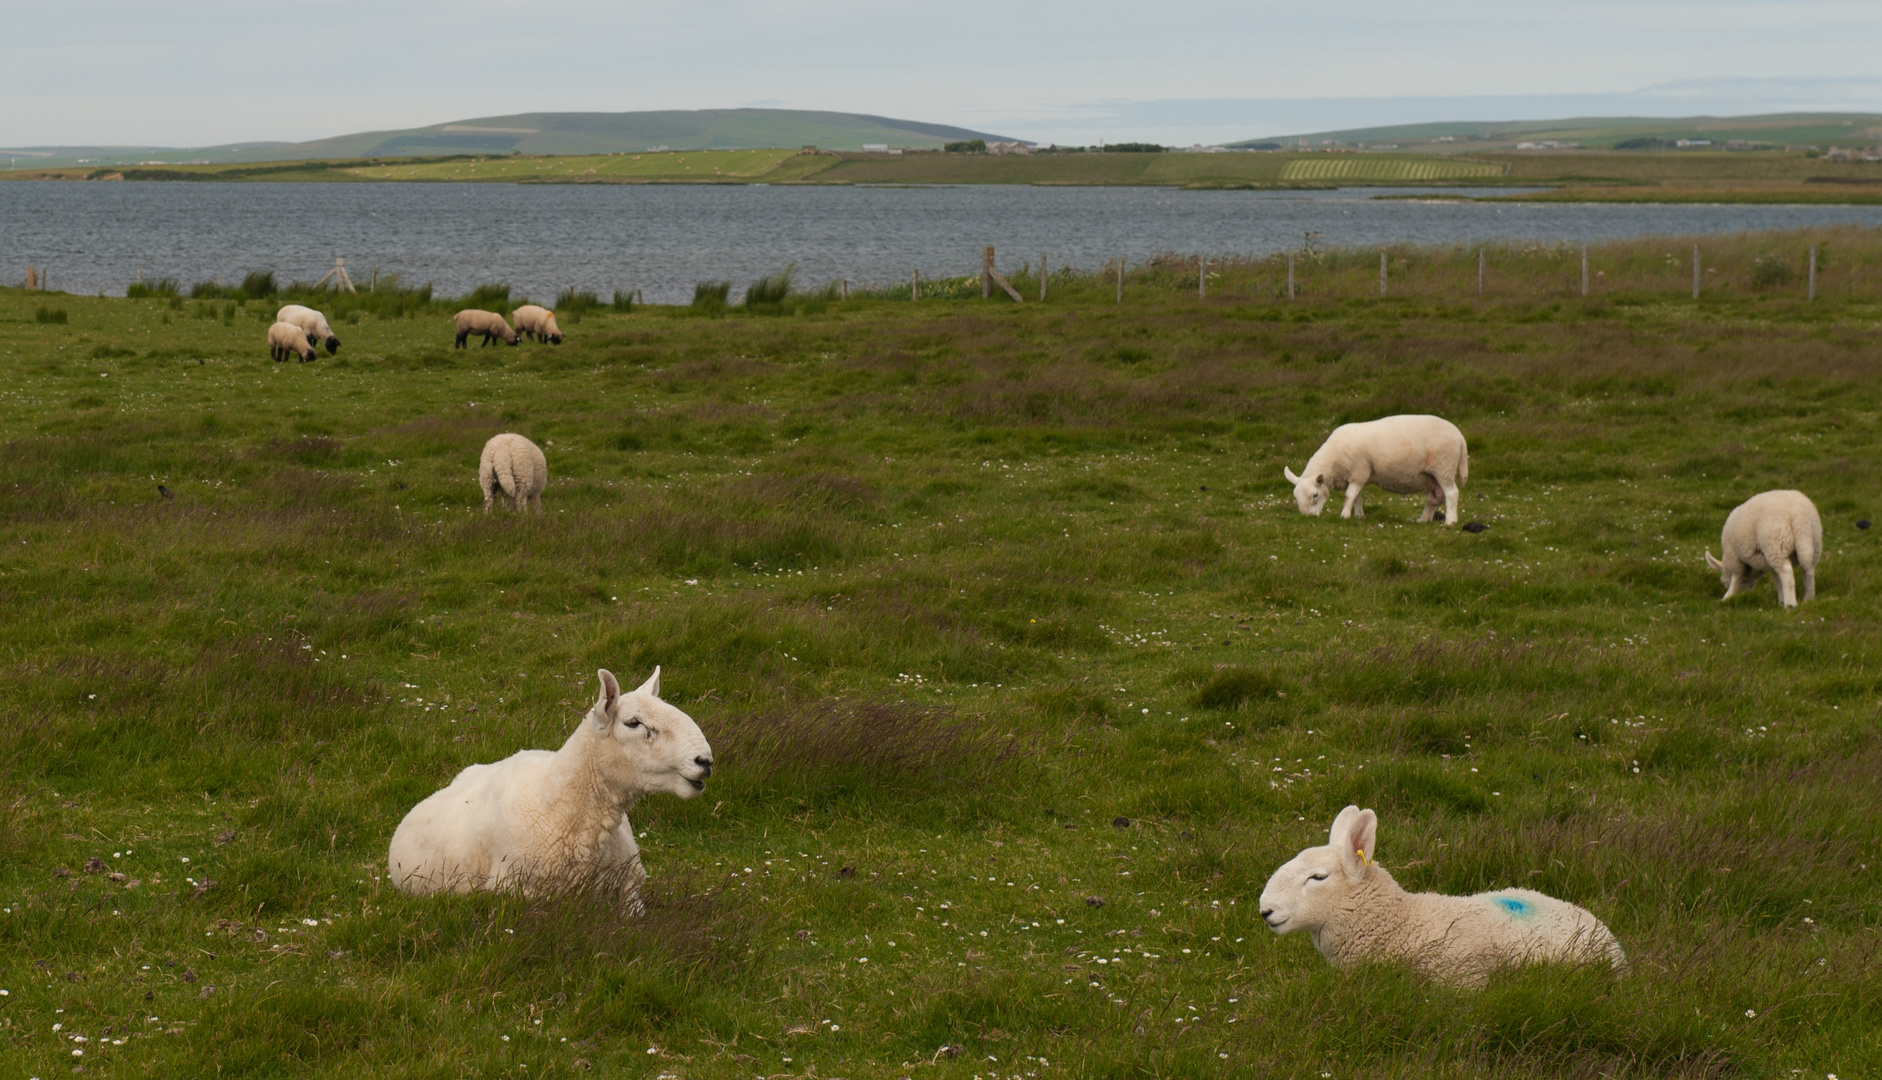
x=1518, y=908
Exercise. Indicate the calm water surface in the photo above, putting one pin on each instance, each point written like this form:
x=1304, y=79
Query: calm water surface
x=96, y=238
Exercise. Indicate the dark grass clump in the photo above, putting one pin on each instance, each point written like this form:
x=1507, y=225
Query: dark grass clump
x=831, y=747
x=622, y=303
x=159, y=287
x=489, y=298
x=771, y=290
x=709, y=297
x=576, y=301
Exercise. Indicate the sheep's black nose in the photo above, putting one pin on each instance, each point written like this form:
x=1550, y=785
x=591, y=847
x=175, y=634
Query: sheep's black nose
x=1265, y=912
x=704, y=763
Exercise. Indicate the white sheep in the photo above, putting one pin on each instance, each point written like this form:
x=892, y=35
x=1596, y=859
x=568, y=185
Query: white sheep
x=285, y=339
x=513, y=465
x=1402, y=454
x=549, y=820
x=538, y=323
x=1771, y=531
x=488, y=323
x=1357, y=914
x=311, y=321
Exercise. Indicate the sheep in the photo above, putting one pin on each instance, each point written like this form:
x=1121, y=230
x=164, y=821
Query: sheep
x=1356, y=914
x=551, y=820
x=513, y=465
x=285, y=339
x=538, y=323
x=311, y=321
x=1771, y=531
x=1402, y=454
x=488, y=323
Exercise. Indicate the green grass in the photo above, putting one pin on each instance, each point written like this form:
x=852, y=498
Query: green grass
x=964, y=594
x=1387, y=169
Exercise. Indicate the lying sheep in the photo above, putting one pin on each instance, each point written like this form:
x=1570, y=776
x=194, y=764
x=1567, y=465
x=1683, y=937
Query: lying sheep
x=311, y=321
x=286, y=339
x=549, y=820
x=1772, y=531
x=514, y=466
x=488, y=323
x=537, y=323
x=1357, y=913
x=1402, y=454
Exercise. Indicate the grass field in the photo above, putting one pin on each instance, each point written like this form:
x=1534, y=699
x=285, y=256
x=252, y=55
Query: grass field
x=1022, y=674
x=1395, y=170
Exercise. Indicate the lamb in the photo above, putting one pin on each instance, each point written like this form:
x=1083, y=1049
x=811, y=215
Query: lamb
x=1402, y=454
x=311, y=321
x=552, y=820
x=488, y=323
x=537, y=323
x=1772, y=531
x=1357, y=913
x=515, y=466
x=285, y=339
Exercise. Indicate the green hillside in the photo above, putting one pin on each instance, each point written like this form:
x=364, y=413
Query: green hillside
x=606, y=133
x=1606, y=133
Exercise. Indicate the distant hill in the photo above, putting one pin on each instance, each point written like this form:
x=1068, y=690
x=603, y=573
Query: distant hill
x=1604, y=133
x=66, y=157
x=603, y=133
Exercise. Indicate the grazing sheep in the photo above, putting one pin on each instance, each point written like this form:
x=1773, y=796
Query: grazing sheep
x=1402, y=454
x=285, y=339
x=1772, y=531
x=542, y=819
x=488, y=323
x=537, y=323
x=515, y=466
x=1357, y=913
x=311, y=321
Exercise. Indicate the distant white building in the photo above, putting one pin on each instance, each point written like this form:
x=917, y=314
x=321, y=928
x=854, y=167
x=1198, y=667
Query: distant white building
x=1692, y=142
x=1548, y=144
x=875, y=148
x=1008, y=148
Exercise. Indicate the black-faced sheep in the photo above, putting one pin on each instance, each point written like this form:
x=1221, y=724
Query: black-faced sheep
x=513, y=466
x=488, y=323
x=537, y=323
x=311, y=321
x=286, y=339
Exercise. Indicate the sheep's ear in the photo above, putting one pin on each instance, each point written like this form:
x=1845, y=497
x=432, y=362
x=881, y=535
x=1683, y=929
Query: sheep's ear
x=652, y=686
x=602, y=715
x=1320, y=481
x=1354, y=834
x=1713, y=563
x=1289, y=473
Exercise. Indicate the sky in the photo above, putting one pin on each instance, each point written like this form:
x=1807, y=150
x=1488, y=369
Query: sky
x=208, y=72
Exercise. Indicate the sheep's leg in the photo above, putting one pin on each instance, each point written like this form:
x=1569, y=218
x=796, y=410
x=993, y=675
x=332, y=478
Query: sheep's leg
x=462, y=337
x=1810, y=582
x=1451, y=495
x=1786, y=584
x=1353, y=490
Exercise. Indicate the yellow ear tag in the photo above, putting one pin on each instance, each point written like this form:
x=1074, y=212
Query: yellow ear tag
x=1364, y=859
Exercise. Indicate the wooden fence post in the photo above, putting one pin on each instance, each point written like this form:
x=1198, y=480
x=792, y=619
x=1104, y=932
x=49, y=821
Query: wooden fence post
x=1042, y=277
x=986, y=273
x=1813, y=271
x=846, y=288
x=1290, y=275
x=1480, y=269
x=32, y=279
x=1120, y=279
x=914, y=284
x=1381, y=273
x=1584, y=269
x=1695, y=271
x=1202, y=277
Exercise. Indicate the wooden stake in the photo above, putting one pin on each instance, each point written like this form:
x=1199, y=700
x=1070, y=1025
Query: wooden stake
x=986, y=273
x=1381, y=273
x=1813, y=271
x=1480, y=268
x=1584, y=269
x=1202, y=277
x=32, y=279
x=1120, y=279
x=846, y=288
x=1695, y=271
x=914, y=285
x=1042, y=278
x=1290, y=275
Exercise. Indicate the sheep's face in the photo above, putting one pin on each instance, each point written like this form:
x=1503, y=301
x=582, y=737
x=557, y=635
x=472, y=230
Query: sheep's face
x=1731, y=576
x=1310, y=494
x=1309, y=888
x=648, y=745
x=333, y=345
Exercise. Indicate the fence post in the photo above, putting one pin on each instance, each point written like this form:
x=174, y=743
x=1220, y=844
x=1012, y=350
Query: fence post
x=1381, y=273
x=1042, y=277
x=914, y=284
x=1584, y=269
x=1120, y=279
x=1480, y=269
x=1202, y=277
x=1813, y=271
x=1695, y=271
x=32, y=279
x=986, y=272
